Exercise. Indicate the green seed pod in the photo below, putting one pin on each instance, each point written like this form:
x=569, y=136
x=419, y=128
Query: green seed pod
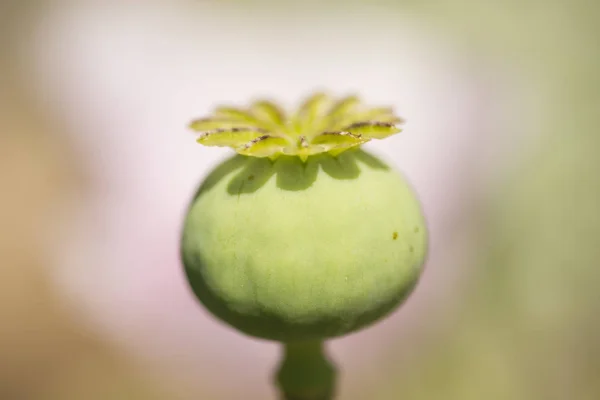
x=302, y=235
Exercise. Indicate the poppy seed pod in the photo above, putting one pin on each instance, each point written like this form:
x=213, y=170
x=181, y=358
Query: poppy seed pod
x=302, y=235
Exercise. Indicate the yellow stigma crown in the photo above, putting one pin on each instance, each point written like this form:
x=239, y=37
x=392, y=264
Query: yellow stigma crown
x=322, y=124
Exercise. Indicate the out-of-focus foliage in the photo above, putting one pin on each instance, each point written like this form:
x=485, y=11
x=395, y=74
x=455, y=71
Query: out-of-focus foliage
x=530, y=326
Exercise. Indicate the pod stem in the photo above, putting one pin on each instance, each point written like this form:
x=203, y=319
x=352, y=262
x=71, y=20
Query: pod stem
x=305, y=372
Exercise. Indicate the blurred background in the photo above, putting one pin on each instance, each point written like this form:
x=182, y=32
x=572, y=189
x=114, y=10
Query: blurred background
x=501, y=99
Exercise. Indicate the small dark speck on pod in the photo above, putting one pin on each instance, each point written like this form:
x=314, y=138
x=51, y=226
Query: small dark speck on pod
x=395, y=235
x=251, y=178
x=416, y=229
x=411, y=249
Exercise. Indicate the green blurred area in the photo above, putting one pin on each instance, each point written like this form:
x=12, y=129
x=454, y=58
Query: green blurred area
x=529, y=325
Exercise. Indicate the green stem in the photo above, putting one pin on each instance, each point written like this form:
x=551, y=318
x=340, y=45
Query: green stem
x=305, y=372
